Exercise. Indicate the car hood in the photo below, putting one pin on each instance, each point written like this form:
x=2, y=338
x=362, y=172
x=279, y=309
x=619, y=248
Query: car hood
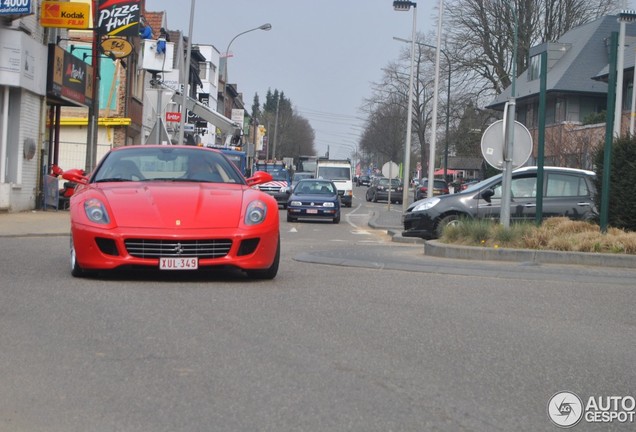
x=313, y=197
x=168, y=205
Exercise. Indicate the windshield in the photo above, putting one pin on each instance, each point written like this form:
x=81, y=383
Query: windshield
x=482, y=184
x=166, y=163
x=334, y=173
x=394, y=182
x=279, y=175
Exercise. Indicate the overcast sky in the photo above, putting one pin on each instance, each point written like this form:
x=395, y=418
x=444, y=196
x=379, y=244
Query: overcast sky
x=323, y=54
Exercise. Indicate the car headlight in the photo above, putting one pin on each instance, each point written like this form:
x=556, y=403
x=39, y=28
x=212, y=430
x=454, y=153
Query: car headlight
x=96, y=211
x=328, y=204
x=256, y=212
x=295, y=203
x=426, y=204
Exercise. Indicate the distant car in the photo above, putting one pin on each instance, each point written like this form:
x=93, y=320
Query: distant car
x=363, y=180
x=314, y=198
x=440, y=187
x=566, y=192
x=379, y=190
x=172, y=208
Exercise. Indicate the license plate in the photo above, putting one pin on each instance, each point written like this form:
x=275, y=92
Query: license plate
x=312, y=211
x=178, y=263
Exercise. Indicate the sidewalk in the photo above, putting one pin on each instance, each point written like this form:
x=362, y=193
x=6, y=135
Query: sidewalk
x=35, y=223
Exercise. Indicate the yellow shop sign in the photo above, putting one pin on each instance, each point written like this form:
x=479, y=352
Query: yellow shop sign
x=72, y=15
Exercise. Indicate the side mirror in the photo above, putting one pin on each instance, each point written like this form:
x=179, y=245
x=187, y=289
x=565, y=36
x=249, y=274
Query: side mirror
x=487, y=194
x=286, y=189
x=259, y=177
x=75, y=175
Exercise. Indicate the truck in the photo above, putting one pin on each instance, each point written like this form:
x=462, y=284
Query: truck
x=340, y=172
x=238, y=157
x=281, y=182
x=307, y=163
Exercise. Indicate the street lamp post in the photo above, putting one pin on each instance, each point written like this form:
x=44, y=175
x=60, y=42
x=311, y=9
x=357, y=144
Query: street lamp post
x=186, y=76
x=447, y=108
x=448, y=91
x=431, y=159
x=265, y=27
x=399, y=5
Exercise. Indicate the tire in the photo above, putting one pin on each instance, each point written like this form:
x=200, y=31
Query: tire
x=76, y=270
x=375, y=197
x=444, y=222
x=336, y=219
x=290, y=219
x=271, y=271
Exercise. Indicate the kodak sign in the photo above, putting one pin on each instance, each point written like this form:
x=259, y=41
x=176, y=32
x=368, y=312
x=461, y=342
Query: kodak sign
x=73, y=15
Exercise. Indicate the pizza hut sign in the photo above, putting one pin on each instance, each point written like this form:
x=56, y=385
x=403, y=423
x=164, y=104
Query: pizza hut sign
x=118, y=17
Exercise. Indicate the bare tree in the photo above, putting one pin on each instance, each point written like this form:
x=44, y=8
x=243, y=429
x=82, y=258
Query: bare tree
x=384, y=137
x=481, y=33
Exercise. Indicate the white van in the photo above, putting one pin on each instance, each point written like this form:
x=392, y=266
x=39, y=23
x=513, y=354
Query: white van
x=341, y=173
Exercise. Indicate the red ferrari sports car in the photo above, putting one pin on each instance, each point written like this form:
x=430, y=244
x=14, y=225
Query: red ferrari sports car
x=173, y=208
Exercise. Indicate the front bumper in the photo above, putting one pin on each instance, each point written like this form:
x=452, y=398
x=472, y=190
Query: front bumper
x=99, y=249
x=418, y=224
x=313, y=212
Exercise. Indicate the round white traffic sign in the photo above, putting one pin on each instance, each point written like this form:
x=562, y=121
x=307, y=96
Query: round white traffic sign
x=492, y=145
x=391, y=170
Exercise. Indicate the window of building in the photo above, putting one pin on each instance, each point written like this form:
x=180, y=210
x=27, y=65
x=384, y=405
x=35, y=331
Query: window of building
x=534, y=68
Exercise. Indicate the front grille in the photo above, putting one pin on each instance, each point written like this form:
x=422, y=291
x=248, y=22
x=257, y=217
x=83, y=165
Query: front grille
x=151, y=248
x=270, y=188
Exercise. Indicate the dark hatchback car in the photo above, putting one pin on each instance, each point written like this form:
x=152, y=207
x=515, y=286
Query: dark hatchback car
x=440, y=187
x=314, y=198
x=379, y=190
x=363, y=180
x=566, y=192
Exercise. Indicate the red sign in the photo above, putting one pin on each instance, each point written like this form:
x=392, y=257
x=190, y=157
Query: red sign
x=118, y=17
x=173, y=116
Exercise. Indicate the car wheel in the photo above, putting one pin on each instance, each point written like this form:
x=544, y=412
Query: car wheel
x=336, y=219
x=271, y=271
x=450, y=220
x=290, y=219
x=76, y=270
x=375, y=197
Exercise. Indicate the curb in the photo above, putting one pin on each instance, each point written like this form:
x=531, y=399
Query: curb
x=442, y=250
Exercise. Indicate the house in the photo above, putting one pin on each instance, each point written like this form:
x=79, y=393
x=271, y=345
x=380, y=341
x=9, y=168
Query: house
x=574, y=99
x=464, y=168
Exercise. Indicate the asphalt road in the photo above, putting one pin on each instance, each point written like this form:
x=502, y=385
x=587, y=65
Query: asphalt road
x=384, y=346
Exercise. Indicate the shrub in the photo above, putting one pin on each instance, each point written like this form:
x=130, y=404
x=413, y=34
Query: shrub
x=622, y=200
x=561, y=234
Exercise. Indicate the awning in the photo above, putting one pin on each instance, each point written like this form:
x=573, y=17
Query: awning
x=448, y=171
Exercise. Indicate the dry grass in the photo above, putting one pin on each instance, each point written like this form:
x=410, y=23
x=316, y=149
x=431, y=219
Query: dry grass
x=560, y=234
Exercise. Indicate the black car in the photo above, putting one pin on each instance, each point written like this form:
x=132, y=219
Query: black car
x=379, y=190
x=314, y=198
x=363, y=180
x=440, y=187
x=566, y=192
